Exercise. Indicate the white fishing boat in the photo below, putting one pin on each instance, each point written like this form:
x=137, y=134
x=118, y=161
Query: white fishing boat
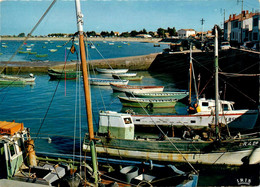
x=27, y=79
x=124, y=74
x=107, y=82
x=243, y=119
x=136, y=89
x=111, y=71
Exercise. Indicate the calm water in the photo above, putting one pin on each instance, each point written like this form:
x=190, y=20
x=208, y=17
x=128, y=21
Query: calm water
x=56, y=108
x=118, y=49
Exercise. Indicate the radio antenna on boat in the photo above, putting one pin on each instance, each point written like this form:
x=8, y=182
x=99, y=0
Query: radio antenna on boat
x=216, y=84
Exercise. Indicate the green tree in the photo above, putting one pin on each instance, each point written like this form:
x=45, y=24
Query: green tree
x=104, y=34
x=220, y=32
x=172, y=31
x=124, y=34
x=151, y=33
x=133, y=33
x=143, y=31
x=21, y=35
x=112, y=33
x=161, y=32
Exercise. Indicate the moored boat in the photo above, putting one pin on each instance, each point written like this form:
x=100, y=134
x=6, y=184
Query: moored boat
x=203, y=116
x=124, y=74
x=119, y=139
x=106, y=82
x=15, y=79
x=168, y=95
x=63, y=74
x=136, y=89
x=130, y=78
x=147, y=102
x=111, y=71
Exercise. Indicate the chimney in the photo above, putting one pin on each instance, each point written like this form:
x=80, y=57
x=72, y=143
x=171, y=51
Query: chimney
x=230, y=17
x=243, y=13
x=247, y=12
x=234, y=16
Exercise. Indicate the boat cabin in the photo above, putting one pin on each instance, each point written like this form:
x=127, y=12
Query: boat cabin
x=118, y=125
x=208, y=105
x=12, y=137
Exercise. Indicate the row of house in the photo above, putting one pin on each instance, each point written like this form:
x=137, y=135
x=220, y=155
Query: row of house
x=245, y=23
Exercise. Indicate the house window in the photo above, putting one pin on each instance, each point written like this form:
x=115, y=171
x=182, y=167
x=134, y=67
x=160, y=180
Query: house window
x=255, y=37
x=255, y=22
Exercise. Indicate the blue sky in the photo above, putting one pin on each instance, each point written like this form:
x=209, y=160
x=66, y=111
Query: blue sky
x=19, y=16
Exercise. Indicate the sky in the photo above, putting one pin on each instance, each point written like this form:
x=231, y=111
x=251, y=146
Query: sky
x=20, y=16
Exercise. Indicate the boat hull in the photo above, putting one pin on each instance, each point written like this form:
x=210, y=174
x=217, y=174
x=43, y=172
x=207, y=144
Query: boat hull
x=200, y=152
x=107, y=82
x=135, y=78
x=137, y=89
x=147, y=103
x=243, y=119
x=55, y=74
x=111, y=71
x=166, y=95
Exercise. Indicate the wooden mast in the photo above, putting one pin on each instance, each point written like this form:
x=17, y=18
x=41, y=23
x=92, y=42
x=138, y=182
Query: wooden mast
x=86, y=88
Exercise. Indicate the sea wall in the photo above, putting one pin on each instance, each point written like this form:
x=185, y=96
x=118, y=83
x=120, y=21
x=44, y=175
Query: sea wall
x=134, y=63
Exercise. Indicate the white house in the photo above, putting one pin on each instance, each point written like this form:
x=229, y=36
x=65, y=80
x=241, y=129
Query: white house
x=185, y=33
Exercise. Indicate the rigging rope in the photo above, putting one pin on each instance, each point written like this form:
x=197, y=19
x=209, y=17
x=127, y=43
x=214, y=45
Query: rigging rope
x=26, y=38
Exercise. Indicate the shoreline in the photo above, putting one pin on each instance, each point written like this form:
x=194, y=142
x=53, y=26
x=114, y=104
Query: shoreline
x=129, y=39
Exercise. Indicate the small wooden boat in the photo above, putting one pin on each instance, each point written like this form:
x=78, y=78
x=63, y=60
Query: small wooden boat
x=10, y=82
x=168, y=95
x=63, y=74
x=106, y=82
x=135, y=78
x=136, y=89
x=111, y=71
x=147, y=102
x=41, y=55
x=125, y=74
x=17, y=79
x=53, y=50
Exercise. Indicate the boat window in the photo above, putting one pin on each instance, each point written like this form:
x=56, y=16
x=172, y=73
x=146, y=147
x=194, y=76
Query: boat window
x=193, y=121
x=12, y=149
x=127, y=120
x=225, y=107
x=205, y=104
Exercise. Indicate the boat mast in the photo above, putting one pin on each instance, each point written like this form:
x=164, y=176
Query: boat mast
x=216, y=83
x=190, y=73
x=86, y=88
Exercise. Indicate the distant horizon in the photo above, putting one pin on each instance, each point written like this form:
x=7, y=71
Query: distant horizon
x=20, y=16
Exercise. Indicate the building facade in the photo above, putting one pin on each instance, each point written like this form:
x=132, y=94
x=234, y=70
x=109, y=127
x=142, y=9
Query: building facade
x=185, y=33
x=241, y=28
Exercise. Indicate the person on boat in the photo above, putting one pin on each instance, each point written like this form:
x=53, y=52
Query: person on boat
x=194, y=109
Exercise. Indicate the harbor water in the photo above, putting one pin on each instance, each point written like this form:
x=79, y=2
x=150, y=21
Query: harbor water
x=55, y=110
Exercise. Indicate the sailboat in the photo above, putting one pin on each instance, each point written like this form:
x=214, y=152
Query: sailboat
x=14, y=138
x=116, y=137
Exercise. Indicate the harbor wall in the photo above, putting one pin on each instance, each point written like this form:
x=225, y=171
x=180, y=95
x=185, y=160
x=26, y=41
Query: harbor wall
x=134, y=63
